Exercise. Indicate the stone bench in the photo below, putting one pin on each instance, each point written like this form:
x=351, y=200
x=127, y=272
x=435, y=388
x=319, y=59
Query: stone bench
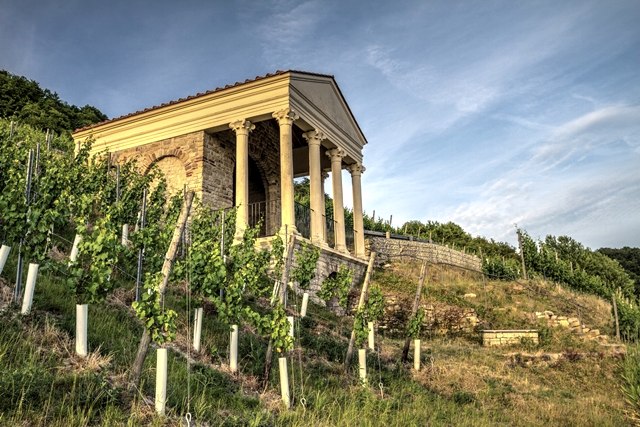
x=495, y=337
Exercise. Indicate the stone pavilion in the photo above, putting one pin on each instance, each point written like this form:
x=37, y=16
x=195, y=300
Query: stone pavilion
x=244, y=144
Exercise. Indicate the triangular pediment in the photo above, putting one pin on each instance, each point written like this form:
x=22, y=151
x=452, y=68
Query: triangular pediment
x=320, y=97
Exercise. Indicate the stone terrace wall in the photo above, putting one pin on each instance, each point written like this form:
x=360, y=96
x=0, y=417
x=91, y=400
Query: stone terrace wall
x=390, y=249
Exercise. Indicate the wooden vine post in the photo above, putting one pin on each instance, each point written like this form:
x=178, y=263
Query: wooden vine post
x=414, y=309
x=521, y=244
x=363, y=294
x=615, y=315
x=143, y=347
x=282, y=295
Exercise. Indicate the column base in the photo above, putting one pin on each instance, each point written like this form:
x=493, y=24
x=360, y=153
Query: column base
x=319, y=242
x=342, y=249
x=290, y=229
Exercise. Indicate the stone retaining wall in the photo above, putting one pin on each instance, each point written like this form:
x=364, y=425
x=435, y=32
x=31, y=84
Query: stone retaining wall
x=390, y=249
x=439, y=318
x=493, y=337
x=329, y=262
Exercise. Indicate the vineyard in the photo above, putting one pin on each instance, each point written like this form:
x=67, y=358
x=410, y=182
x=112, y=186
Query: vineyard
x=100, y=266
x=131, y=237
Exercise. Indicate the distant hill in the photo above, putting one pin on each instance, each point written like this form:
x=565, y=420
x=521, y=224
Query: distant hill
x=26, y=101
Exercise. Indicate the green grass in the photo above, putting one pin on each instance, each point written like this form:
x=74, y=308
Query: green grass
x=42, y=383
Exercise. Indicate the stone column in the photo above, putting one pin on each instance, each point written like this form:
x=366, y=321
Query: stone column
x=285, y=119
x=356, y=170
x=314, y=138
x=242, y=128
x=336, y=156
x=324, y=175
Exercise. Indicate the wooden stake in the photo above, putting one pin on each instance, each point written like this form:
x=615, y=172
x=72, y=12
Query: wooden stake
x=524, y=268
x=284, y=279
x=363, y=294
x=414, y=309
x=615, y=314
x=143, y=347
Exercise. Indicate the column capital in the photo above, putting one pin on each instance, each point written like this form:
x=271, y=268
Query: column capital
x=286, y=116
x=314, y=137
x=336, y=154
x=242, y=126
x=356, y=169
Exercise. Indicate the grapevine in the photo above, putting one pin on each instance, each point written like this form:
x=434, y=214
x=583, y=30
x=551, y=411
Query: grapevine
x=371, y=312
x=337, y=286
x=160, y=322
x=415, y=324
x=89, y=277
x=305, y=270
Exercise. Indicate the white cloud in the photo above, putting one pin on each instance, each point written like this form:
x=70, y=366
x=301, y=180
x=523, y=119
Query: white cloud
x=287, y=31
x=583, y=135
x=556, y=192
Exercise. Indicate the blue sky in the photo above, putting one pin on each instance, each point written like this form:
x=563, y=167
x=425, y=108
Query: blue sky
x=485, y=113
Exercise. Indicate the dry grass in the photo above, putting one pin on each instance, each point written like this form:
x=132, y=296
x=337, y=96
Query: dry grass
x=49, y=338
x=501, y=305
x=6, y=295
x=578, y=386
x=562, y=393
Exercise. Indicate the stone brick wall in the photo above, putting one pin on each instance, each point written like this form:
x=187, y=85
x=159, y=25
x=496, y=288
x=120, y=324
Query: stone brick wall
x=572, y=323
x=492, y=338
x=218, y=168
x=395, y=249
x=180, y=158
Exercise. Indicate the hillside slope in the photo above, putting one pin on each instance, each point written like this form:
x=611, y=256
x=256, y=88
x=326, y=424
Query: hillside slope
x=566, y=380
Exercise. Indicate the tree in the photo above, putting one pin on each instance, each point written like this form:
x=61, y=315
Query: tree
x=25, y=100
x=629, y=259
